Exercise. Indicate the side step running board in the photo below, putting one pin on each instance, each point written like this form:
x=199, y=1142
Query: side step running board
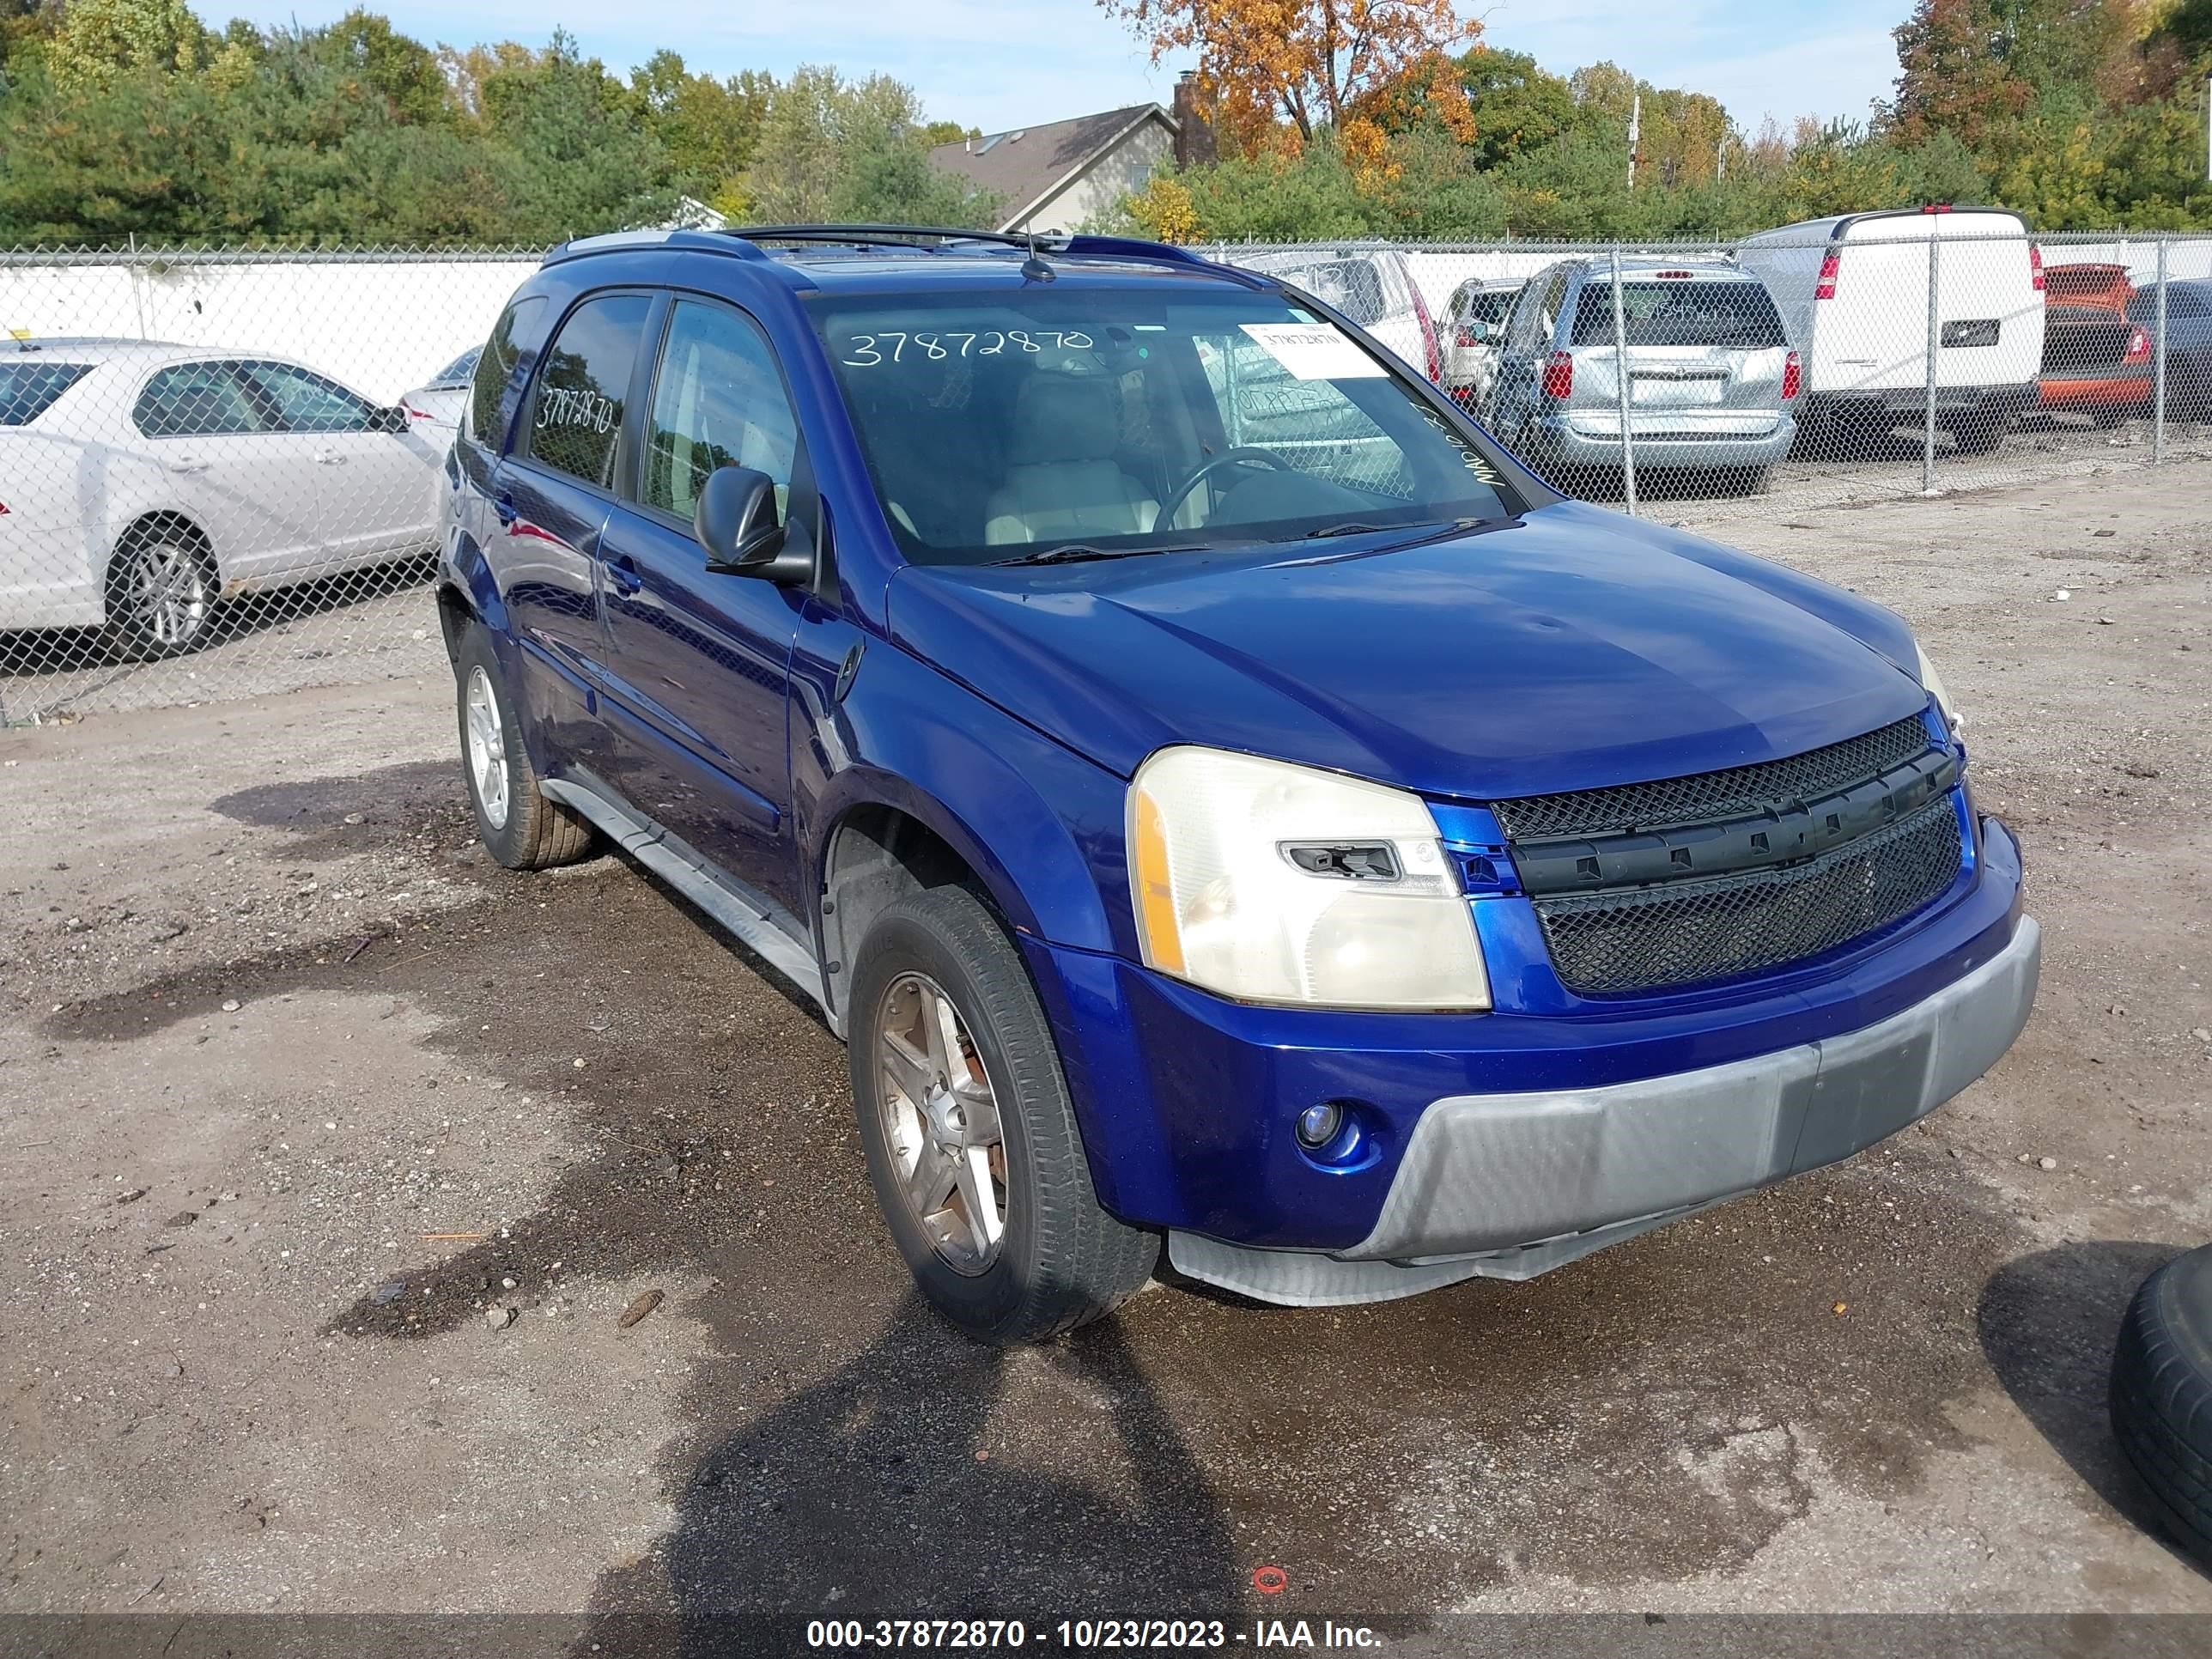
x=737, y=909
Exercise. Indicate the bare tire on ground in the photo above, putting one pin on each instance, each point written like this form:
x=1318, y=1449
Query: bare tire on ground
x=161, y=590
x=971, y=1141
x=520, y=828
x=2162, y=1399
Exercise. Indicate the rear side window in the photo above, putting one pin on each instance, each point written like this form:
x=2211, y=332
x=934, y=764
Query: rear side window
x=29, y=390
x=576, y=415
x=196, y=400
x=495, y=365
x=461, y=370
x=1738, y=315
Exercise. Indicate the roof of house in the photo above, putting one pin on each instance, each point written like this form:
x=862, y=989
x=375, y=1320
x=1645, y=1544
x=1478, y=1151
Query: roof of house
x=1023, y=166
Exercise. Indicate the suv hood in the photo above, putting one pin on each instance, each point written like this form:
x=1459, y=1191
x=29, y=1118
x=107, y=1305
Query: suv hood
x=1570, y=649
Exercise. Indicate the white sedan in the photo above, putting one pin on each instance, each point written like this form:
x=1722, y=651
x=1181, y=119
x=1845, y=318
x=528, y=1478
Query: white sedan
x=141, y=483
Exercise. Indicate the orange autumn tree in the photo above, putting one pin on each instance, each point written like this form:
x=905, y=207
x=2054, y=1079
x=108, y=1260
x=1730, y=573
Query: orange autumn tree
x=1310, y=63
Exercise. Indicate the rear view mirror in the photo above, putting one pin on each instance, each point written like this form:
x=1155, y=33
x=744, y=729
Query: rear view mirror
x=736, y=523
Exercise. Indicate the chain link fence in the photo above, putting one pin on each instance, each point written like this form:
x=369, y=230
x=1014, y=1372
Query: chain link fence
x=221, y=473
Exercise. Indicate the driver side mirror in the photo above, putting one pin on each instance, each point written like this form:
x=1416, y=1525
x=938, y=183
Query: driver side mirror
x=393, y=420
x=736, y=523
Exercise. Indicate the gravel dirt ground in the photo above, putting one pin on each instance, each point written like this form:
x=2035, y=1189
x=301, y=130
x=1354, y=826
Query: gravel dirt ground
x=331, y=1156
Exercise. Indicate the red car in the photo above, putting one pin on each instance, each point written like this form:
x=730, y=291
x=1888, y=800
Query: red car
x=2094, y=359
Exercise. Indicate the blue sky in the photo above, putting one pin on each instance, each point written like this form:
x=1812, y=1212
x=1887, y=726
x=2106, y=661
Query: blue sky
x=1000, y=63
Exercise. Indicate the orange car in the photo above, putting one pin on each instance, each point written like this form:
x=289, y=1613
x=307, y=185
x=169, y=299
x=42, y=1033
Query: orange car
x=2094, y=359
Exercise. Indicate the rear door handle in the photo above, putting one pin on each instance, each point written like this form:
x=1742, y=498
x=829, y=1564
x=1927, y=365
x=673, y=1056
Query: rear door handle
x=329, y=458
x=503, y=505
x=187, y=464
x=622, y=573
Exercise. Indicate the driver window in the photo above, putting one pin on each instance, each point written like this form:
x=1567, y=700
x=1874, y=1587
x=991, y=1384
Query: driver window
x=717, y=401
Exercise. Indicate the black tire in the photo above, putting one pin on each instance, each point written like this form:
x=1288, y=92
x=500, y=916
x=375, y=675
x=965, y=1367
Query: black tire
x=162, y=588
x=528, y=832
x=1063, y=1260
x=2161, y=1399
x=1979, y=432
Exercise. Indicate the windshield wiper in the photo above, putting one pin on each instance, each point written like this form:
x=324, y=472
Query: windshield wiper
x=1082, y=552
x=1431, y=531
x=1350, y=528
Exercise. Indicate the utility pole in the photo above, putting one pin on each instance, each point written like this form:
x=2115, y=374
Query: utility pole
x=1635, y=124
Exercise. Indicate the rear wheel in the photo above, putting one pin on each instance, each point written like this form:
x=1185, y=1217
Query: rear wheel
x=162, y=592
x=1980, y=432
x=517, y=823
x=971, y=1141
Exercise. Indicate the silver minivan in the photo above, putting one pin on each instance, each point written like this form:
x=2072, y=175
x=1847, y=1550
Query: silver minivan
x=1711, y=378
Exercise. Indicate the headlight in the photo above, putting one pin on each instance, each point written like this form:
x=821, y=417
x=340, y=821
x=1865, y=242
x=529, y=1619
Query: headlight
x=1932, y=683
x=1274, y=883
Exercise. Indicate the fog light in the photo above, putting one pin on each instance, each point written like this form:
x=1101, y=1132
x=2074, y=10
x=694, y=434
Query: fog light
x=1317, y=1125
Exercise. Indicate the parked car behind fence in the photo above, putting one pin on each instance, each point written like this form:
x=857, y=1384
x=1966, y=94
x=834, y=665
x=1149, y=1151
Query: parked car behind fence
x=142, y=482
x=1372, y=286
x=1865, y=295
x=1712, y=377
x=2096, y=361
x=1473, y=322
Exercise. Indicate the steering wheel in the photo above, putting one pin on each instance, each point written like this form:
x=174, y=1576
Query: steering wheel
x=1243, y=455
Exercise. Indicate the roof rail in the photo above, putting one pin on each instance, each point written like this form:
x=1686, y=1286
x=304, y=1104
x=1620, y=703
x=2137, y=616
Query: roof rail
x=880, y=235
x=614, y=241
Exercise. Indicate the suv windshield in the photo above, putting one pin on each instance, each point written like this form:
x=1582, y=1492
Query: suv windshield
x=29, y=389
x=1132, y=419
x=1678, y=313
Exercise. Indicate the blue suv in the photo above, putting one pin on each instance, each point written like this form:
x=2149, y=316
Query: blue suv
x=1224, y=802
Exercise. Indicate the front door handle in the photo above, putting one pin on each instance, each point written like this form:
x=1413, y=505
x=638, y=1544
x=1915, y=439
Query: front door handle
x=622, y=573
x=503, y=505
x=187, y=464
x=329, y=458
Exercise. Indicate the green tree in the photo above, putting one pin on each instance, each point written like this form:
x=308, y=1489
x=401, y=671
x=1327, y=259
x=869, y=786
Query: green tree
x=708, y=127
x=570, y=149
x=830, y=149
x=101, y=40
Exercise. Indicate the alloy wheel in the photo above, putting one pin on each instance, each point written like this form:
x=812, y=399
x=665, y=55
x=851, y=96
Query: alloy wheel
x=940, y=1117
x=486, y=747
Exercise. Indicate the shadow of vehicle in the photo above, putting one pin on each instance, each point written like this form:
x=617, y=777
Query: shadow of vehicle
x=876, y=1494
x=2047, y=1323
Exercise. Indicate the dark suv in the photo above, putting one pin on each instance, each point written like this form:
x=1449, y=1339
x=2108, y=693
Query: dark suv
x=1219, y=796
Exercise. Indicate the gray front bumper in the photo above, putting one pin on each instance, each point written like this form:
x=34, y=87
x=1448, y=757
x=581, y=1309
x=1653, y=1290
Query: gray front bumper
x=1511, y=1186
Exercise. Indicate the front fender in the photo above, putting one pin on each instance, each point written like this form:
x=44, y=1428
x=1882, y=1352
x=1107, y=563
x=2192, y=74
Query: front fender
x=1041, y=826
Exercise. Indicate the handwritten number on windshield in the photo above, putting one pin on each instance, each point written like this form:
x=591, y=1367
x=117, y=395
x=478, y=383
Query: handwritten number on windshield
x=890, y=345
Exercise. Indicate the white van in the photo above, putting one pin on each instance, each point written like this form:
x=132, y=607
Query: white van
x=1853, y=293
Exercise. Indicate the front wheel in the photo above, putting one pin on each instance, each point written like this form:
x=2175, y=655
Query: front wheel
x=971, y=1141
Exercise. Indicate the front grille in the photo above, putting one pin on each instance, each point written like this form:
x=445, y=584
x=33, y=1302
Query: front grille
x=1684, y=932
x=1707, y=795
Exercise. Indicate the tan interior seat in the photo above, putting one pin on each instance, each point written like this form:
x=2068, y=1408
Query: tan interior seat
x=1062, y=481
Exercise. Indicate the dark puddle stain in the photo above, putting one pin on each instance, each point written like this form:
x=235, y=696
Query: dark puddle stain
x=1643, y=1414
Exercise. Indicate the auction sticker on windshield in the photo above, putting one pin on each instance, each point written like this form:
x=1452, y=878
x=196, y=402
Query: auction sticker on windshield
x=1313, y=351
